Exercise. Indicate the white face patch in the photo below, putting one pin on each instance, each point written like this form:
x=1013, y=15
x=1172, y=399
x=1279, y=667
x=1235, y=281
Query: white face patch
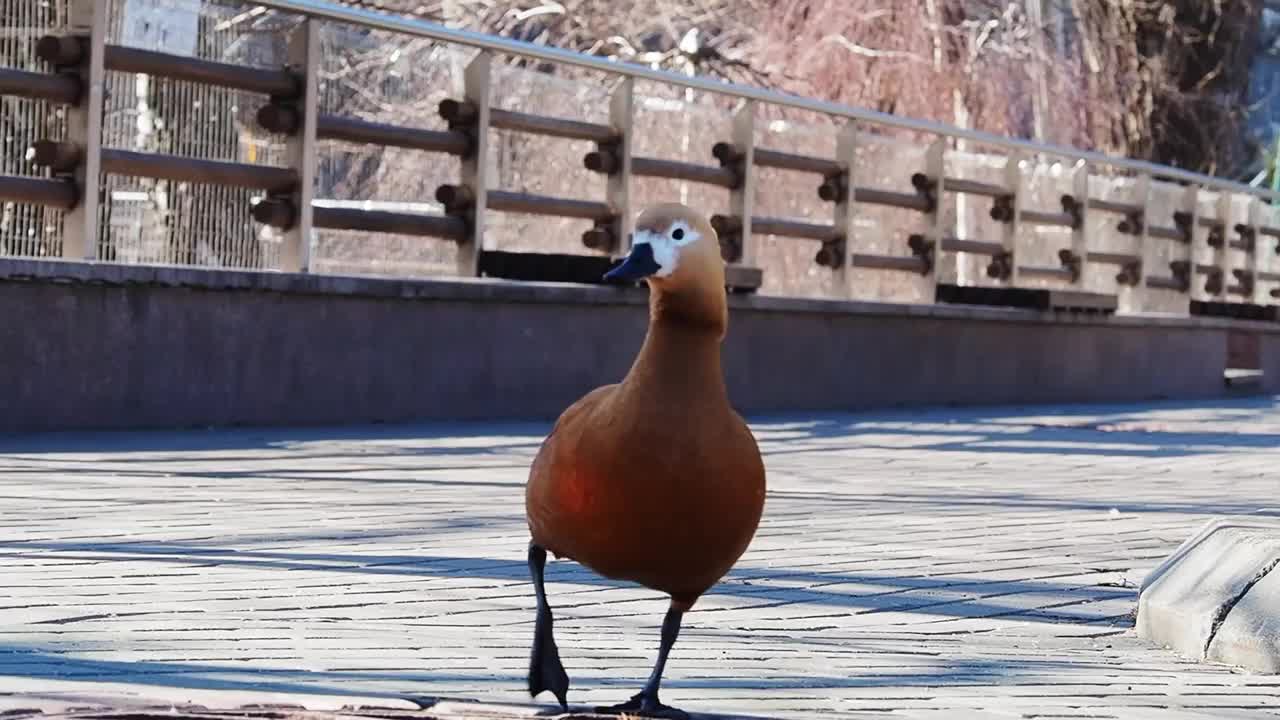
x=666, y=245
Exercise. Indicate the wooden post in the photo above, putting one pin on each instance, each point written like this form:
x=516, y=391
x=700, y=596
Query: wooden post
x=1253, y=256
x=622, y=116
x=84, y=129
x=1266, y=243
x=742, y=196
x=1222, y=243
x=475, y=167
x=1191, y=210
x=936, y=169
x=846, y=213
x=1080, y=230
x=304, y=58
x=1143, y=271
x=1014, y=183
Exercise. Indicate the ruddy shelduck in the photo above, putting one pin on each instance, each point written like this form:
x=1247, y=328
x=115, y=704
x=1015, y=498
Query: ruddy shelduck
x=656, y=479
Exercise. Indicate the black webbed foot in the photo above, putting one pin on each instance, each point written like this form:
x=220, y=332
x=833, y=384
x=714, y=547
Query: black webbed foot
x=646, y=705
x=546, y=672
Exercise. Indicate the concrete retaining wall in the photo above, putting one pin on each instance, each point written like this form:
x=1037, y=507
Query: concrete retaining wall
x=99, y=346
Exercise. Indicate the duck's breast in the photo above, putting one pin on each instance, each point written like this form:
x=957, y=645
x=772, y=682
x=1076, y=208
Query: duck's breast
x=670, y=503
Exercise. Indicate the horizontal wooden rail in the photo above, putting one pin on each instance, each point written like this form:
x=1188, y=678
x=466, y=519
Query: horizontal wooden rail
x=605, y=161
x=1109, y=258
x=1183, y=218
x=1039, y=217
x=38, y=191
x=1115, y=207
x=380, y=221
x=907, y=201
x=791, y=161
x=1168, y=233
x=332, y=127
x=1047, y=273
x=286, y=120
x=67, y=50
x=281, y=213
x=1217, y=240
x=65, y=156
x=1167, y=283
x=676, y=170
x=1268, y=276
x=207, y=72
x=793, y=228
x=891, y=262
x=832, y=189
x=185, y=169
x=973, y=187
x=54, y=87
x=1269, y=231
x=458, y=198
x=463, y=112
x=550, y=126
x=976, y=247
x=516, y=202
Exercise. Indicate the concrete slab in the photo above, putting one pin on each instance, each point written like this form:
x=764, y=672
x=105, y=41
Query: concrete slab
x=1183, y=602
x=126, y=348
x=1250, y=634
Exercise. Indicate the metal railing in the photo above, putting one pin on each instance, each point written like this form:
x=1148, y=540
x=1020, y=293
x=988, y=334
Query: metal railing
x=1157, y=238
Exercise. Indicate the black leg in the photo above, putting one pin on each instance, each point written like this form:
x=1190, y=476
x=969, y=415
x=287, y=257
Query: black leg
x=546, y=672
x=646, y=702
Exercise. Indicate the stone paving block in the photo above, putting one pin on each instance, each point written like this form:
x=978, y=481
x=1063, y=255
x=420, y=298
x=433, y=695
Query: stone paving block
x=958, y=563
x=1184, y=601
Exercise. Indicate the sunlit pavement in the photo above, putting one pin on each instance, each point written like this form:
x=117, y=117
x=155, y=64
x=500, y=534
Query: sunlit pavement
x=908, y=563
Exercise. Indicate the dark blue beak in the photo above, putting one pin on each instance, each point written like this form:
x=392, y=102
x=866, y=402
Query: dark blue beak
x=638, y=264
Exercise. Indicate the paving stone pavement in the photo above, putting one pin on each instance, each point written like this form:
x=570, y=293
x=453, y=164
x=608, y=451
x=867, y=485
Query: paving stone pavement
x=908, y=565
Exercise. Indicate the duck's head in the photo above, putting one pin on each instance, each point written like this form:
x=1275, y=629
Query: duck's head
x=673, y=248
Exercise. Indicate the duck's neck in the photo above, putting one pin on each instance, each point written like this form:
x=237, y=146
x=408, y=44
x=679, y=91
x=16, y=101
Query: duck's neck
x=681, y=350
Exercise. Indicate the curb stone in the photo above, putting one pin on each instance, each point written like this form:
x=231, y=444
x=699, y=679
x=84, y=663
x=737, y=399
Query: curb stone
x=1217, y=597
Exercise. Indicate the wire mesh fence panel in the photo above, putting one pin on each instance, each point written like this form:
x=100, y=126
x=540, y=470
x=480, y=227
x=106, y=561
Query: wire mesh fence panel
x=381, y=77
x=27, y=230
x=146, y=220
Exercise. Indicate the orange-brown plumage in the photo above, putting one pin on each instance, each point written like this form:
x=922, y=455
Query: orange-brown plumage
x=655, y=479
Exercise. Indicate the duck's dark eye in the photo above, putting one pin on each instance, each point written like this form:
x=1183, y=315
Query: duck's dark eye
x=677, y=234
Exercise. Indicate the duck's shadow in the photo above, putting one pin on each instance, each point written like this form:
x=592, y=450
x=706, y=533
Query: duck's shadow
x=35, y=663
